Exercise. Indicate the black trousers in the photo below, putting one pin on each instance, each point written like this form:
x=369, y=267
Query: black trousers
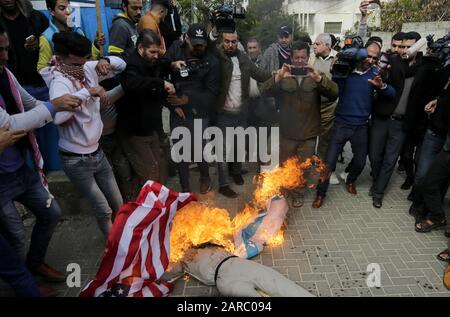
x=437, y=177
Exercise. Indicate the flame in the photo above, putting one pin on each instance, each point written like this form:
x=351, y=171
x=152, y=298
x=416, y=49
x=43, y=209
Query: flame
x=276, y=240
x=198, y=223
x=288, y=176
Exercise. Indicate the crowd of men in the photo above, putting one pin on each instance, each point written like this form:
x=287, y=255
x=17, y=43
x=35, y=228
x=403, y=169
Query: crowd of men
x=108, y=112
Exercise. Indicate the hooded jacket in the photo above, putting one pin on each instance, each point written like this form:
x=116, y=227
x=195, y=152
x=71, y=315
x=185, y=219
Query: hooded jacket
x=122, y=36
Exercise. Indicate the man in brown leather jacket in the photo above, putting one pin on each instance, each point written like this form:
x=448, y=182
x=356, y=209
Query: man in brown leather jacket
x=300, y=108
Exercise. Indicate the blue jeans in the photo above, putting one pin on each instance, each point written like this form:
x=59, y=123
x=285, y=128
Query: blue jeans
x=224, y=121
x=341, y=134
x=93, y=177
x=25, y=187
x=386, y=141
x=15, y=273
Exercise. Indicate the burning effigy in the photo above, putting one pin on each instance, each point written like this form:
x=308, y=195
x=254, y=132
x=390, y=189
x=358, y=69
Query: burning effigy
x=258, y=224
x=164, y=226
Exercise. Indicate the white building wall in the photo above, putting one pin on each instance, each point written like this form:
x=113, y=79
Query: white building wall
x=321, y=11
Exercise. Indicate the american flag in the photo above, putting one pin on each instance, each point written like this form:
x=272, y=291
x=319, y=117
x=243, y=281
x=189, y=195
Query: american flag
x=138, y=248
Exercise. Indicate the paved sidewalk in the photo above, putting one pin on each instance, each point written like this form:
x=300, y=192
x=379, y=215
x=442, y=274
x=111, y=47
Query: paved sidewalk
x=327, y=251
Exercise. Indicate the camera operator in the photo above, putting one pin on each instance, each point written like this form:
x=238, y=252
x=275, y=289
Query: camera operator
x=236, y=71
x=139, y=113
x=387, y=131
x=197, y=90
x=356, y=96
x=300, y=113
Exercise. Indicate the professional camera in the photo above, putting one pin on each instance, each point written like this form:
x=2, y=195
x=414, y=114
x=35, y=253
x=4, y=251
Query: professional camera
x=439, y=50
x=223, y=17
x=192, y=65
x=352, y=53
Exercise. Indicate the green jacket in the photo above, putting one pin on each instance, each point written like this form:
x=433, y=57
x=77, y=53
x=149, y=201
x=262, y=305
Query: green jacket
x=301, y=104
x=248, y=70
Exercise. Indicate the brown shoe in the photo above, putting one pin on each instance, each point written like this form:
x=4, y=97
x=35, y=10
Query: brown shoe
x=48, y=273
x=47, y=291
x=351, y=188
x=205, y=185
x=318, y=202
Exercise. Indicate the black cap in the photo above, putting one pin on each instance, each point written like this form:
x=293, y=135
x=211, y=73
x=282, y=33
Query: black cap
x=285, y=29
x=197, y=34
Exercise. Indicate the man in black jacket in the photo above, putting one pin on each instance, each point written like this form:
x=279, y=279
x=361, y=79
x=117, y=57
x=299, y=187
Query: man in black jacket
x=139, y=115
x=197, y=88
x=24, y=26
x=387, y=131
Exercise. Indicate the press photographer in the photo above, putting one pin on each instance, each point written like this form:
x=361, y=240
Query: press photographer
x=358, y=81
x=195, y=72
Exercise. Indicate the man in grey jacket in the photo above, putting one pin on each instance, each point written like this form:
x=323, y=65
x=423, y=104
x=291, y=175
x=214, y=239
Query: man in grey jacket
x=123, y=33
x=20, y=183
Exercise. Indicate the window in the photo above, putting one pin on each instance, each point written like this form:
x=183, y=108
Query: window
x=333, y=27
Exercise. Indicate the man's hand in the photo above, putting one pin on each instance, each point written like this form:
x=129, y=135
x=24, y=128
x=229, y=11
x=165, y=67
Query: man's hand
x=32, y=44
x=177, y=65
x=314, y=74
x=103, y=67
x=99, y=40
x=363, y=8
x=66, y=103
x=169, y=87
x=174, y=100
x=377, y=82
x=283, y=72
x=8, y=138
x=431, y=107
x=99, y=92
x=180, y=113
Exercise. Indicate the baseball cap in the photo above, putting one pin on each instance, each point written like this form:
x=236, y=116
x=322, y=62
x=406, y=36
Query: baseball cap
x=197, y=34
x=285, y=29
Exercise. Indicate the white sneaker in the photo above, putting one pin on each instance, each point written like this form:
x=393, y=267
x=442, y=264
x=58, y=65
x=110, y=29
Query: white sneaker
x=334, y=180
x=344, y=175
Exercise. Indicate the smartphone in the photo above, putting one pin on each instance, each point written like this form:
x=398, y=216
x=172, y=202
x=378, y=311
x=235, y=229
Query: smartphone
x=299, y=71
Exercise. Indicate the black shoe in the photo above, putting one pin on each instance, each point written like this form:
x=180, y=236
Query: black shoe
x=377, y=202
x=238, y=180
x=401, y=168
x=407, y=184
x=227, y=192
x=447, y=234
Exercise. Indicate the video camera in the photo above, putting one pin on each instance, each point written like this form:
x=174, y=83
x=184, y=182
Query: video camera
x=439, y=50
x=352, y=53
x=223, y=17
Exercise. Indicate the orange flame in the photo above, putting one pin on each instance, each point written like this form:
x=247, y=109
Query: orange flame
x=199, y=223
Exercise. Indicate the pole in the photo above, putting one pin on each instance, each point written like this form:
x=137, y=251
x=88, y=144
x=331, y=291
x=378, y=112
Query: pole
x=99, y=22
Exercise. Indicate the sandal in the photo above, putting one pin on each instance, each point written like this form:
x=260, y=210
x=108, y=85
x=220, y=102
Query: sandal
x=444, y=256
x=297, y=202
x=426, y=225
